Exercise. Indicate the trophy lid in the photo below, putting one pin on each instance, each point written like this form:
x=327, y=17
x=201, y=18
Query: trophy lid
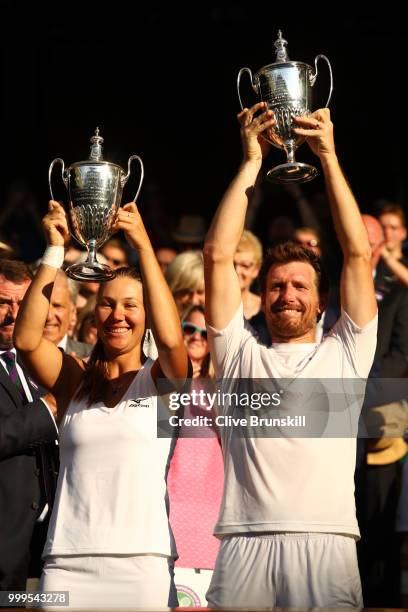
x=96, y=148
x=280, y=45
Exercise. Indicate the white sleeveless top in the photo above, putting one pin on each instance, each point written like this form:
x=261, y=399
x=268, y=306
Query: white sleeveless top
x=111, y=496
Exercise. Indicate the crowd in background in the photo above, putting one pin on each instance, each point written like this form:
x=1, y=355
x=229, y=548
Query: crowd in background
x=382, y=472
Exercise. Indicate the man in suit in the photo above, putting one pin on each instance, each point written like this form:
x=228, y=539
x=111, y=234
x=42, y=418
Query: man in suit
x=378, y=486
x=28, y=457
x=62, y=308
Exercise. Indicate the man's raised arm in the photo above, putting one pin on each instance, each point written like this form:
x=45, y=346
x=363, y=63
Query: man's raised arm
x=223, y=294
x=357, y=288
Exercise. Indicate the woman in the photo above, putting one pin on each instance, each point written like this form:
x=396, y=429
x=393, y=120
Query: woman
x=185, y=276
x=196, y=476
x=109, y=542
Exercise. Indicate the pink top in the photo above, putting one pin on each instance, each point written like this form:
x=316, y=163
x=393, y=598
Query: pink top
x=195, y=484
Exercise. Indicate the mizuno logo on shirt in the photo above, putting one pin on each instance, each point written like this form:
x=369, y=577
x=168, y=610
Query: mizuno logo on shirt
x=140, y=402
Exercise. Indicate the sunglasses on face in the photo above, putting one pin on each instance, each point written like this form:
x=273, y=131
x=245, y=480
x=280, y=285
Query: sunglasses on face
x=189, y=329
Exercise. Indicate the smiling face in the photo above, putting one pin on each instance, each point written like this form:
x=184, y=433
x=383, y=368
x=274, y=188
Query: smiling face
x=196, y=344
x=60, y=312
x=291, y=302
x=394, y=230
x=120, y=315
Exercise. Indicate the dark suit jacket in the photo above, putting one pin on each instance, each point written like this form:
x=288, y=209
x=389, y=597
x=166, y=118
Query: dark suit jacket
x=391, y=357
x=27, y=477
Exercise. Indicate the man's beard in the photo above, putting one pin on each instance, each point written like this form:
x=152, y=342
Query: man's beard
x=281, y=325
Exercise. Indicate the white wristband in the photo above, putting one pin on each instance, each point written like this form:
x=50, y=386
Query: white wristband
x=53, y=256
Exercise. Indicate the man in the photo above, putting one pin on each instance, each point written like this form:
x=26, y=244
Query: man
x=62, y=306
x=378, y=479
x=393, y=264
x=287, y=520
x=27, y=446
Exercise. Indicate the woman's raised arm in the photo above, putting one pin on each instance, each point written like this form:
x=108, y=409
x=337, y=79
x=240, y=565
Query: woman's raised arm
x=51, y=368
x=159, y=303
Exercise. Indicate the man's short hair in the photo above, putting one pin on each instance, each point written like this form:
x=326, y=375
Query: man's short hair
x=393, y=209
x=287, y=252
x=15, y=271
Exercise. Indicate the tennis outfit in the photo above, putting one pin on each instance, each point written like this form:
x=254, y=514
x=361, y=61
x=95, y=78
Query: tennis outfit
x=109, y=541
x=287, y=518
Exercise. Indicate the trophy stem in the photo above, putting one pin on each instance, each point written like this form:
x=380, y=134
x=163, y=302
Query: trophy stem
x=91, y=252
x=91, y=270
x=290, y=151
x=292, y=171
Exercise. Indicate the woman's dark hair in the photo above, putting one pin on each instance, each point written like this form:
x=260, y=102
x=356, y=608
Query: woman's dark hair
x=96, y=373
x=287, y=252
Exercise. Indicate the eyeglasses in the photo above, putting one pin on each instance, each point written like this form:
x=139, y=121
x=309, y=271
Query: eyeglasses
x=189, y=329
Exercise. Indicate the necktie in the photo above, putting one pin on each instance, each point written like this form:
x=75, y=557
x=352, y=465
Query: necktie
x=9, y=359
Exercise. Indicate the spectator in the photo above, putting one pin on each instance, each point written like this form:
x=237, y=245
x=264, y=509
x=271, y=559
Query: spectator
x=185, y=276
x=165, y=255
x=115, y=253
x=62, y=306
x=28, y=455
x=196, y=476
x=247, y=263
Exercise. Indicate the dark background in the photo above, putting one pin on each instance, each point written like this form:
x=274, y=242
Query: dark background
x=159, y=79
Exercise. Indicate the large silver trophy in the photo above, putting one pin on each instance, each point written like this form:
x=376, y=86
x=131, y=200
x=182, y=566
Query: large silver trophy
x=95, y=191
x=286, y=87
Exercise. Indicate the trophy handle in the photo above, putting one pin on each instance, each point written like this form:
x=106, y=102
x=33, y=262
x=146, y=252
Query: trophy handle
x=255, y=86
x=58, y=160
x=314, y=76
x=125, y=178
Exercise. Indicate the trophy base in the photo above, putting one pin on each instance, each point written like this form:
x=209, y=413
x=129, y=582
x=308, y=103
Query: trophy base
x=294, y=172
x=90, y=272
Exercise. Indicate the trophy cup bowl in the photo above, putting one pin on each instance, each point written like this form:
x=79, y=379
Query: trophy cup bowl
x=95, y=192
x=286, y=88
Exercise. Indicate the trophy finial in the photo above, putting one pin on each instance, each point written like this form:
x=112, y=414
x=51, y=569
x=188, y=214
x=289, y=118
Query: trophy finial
x=96, y=148
x=280, y=45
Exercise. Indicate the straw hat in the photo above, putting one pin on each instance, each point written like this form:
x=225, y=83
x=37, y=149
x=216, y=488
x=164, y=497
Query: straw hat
x=386, y=450
x=387, y=429
x=190, y=229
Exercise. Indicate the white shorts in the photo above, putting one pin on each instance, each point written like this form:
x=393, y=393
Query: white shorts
x=116, y=581
x=302, y=570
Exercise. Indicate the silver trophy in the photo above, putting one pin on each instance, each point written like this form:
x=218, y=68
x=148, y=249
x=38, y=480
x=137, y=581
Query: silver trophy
x=95, y=191
x=286, y=87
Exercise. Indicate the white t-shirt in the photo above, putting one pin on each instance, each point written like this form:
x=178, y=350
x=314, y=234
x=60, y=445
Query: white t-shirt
x=288, y=483
x=111, y=494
